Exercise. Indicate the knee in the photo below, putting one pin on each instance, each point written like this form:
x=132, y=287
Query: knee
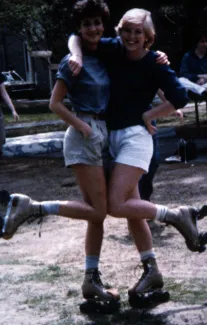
x=100, y=216
x=113, y=208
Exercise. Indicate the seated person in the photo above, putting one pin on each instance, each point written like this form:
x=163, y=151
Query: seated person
x=193, y=70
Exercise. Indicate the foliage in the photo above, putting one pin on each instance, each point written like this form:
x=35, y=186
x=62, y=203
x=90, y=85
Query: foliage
x=46, y=24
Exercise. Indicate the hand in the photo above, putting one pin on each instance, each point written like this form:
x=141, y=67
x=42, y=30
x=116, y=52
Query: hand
x=147, y=121
x=162, y=58
x=202, y=76
x=179, y=113
x=86, y=130
x=75, y=64
x=201, y=81
x=15, y=116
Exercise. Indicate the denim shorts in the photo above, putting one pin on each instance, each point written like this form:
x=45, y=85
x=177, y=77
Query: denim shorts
x=131, y=146
x=88, y=151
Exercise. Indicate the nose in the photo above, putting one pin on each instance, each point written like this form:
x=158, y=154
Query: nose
x=132, y=35
x=92, y=27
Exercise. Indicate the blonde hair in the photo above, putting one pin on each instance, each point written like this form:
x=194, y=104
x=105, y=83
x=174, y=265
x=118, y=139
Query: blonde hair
x=137, y=16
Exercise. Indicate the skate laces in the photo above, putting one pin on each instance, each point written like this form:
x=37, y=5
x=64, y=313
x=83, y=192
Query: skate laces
x=95, y=277
x=146, y=271
x=35, y=216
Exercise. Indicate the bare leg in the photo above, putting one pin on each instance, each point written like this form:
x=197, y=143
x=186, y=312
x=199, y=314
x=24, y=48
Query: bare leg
x=127, y=200
x=121, y=200
x=93, y=187
x=140, y=231
x=92, y=182
x=122, y=204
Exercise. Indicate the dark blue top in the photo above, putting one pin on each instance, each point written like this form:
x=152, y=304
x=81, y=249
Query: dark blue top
x=135, y=83
x=2, y=78
x=89, y=91
x=192, y=65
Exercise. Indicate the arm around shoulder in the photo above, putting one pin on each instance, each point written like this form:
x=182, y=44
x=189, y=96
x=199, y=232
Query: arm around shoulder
x=75, y=60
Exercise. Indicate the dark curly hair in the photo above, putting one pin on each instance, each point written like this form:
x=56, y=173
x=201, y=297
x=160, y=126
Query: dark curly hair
x=201, y=33
x=89, y=8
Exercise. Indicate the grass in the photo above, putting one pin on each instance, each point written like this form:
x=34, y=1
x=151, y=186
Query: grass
x=26, y=118
x=188, y=292
x=39, y=300
x=49, y=274
x=189, y=117
x=45, y=289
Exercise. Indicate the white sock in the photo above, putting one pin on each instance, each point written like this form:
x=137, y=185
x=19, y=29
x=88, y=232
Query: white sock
x=147, y=254
x=161, y=212
x=50, y=207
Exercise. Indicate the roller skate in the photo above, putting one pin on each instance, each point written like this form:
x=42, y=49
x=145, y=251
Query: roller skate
x=147, y=292
x=184, y=219
x=98, y=299
x=19, y=208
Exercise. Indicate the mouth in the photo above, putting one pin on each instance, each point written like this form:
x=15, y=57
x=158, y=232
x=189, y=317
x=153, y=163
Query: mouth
x=131, y=43
x=94, y=34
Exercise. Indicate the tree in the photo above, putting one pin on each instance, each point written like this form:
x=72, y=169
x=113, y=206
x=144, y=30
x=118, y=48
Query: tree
x=45, y=23
x=39, y=22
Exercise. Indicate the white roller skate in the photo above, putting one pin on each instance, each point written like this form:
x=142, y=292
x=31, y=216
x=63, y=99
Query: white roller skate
x=20, y=208
x=184, y=219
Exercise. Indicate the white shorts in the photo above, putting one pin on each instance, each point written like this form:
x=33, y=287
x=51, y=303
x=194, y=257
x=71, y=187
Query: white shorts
x=78, y=150
x=131, y=146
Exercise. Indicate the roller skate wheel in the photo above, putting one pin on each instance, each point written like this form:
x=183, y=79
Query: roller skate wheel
x=202, y=212
x=4, y=197
x=149, y=299
x=100, y=307
x=88, y=307
x=203, y=238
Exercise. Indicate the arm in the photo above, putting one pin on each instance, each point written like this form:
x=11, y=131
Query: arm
x=162, y=58
x=202, y=79
x=56, y=105
x=6, y=98
x=184, y=69
x=177, y=113
x=75, y=61
x=174, y=93
x=164, y=109
x=172, y=89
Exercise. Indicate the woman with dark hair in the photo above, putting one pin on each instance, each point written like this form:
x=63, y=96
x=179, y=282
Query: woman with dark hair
x=193, y=69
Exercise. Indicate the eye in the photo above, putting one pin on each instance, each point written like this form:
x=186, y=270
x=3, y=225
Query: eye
x=97, y=22
x=86, y=23
x=138, y=32
x=126, y=30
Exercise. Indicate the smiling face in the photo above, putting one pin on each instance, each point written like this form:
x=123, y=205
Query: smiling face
x=91, y=30
x=133, y=36
x=137, y=32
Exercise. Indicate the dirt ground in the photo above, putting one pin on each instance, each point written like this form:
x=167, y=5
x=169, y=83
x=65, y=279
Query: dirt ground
x=41, y=277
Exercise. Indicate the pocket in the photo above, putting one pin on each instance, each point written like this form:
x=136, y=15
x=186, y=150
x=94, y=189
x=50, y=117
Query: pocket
x=95, y=131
